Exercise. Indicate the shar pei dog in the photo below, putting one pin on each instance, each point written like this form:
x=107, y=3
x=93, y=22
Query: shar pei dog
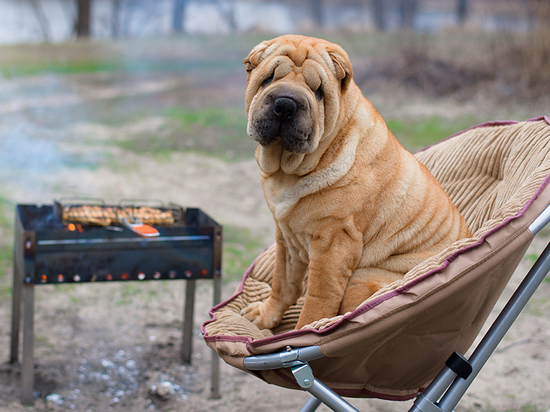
x=354, y=210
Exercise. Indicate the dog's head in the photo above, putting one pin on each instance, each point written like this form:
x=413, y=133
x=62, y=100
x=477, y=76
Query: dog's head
x=294, y=91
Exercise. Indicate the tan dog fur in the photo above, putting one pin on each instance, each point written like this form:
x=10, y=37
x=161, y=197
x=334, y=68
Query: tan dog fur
x=353, y=209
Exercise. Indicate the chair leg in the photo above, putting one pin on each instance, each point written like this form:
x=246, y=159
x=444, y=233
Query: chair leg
x=446, y=391
x=304, y=377
x=311, y=405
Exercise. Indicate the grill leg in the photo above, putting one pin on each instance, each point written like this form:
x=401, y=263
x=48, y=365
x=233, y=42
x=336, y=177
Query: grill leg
x=215, y=363
x=16, y=313
x=27, y=370
x=187, y=346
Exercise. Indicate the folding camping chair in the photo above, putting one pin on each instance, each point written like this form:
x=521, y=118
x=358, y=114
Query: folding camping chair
x=408, y=339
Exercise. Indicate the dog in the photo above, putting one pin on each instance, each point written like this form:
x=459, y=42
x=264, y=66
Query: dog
x=354, y=211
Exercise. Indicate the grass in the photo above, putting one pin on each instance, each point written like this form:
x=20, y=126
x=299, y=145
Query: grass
x=6, y=247
x=214, y=131
x=195, y=52
x=418, y=134
x=210, y=117
x=178, y=54
x=531, y=257
x=92, y=66
x=57, y=67
x=128, y=292
x=537, y=306
x=221, y=132
x=218, y=131
x=240, y=248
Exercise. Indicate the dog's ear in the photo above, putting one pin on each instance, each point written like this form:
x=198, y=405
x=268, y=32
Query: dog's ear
x=255, y=56
x=342, y=66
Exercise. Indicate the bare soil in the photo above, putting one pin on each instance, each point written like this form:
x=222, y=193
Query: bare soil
x=116, y=347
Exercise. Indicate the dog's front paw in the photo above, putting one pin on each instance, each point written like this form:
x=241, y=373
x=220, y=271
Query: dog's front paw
x=259, y=314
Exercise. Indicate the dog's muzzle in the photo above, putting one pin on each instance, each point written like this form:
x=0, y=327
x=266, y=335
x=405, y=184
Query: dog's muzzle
x=286, y=116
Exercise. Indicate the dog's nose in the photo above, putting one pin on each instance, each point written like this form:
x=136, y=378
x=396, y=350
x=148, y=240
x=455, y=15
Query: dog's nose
x=284, y=108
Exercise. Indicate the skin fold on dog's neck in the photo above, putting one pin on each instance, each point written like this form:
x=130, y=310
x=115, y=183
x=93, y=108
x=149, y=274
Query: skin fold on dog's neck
x=308, y=173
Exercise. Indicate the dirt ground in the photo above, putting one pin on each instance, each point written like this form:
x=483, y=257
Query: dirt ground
x=116, y=347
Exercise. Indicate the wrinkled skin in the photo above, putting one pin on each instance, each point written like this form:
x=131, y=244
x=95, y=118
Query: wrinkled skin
x=353, y=209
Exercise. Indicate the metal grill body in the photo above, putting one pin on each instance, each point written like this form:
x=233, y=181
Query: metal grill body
x=50, y=250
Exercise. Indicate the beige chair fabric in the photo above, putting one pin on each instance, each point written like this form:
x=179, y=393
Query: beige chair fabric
x=394, y=344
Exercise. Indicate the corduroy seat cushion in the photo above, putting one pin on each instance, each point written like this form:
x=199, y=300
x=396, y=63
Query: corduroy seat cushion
x=393, y=345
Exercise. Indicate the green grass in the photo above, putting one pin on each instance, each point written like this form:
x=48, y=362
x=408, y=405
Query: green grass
x=61, y=67
x=197, y=52
x=418, y=134
x=6, y=245
x=179, y=54
x=537, y=306
x=6, y=213
x=221, y=132
x=240, y=248
x=210, y=117
x=218, y=131
x=214, y=131
x=531, y=257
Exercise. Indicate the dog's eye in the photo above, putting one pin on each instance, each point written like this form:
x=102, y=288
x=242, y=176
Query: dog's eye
x=319, y=94
x=267, y=81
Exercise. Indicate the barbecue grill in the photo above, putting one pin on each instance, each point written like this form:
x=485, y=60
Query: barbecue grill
x=93, y=242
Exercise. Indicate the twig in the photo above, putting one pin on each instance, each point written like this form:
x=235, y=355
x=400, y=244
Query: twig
x=520, y=342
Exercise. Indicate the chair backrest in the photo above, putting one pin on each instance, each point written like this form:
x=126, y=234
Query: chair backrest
x=490, y=165
x=395, y=343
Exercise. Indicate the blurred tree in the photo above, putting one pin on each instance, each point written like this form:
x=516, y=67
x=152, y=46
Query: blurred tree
x=115, y=19
x=227, y=11
x=82, y=24
x=316, y=10
x=42, y=19
x=225, y=8
x=535, y=9
x=378, y=11
x=407, y=13
x=178, y=18
x=462, y=10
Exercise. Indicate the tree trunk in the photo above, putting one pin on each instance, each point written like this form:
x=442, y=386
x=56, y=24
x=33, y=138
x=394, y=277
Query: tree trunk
x=227, y=11
x=407, y=10
x=42, y=19
x=178, y=18
x=83, y=18
x=379, y=14
x=462, y=11
x=316, y=10
x=115, y=19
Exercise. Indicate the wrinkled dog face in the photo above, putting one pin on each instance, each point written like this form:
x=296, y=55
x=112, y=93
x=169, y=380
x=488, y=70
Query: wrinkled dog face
x=292, y=85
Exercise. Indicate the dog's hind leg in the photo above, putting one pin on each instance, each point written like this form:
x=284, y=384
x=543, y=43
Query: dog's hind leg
x=364, y=283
